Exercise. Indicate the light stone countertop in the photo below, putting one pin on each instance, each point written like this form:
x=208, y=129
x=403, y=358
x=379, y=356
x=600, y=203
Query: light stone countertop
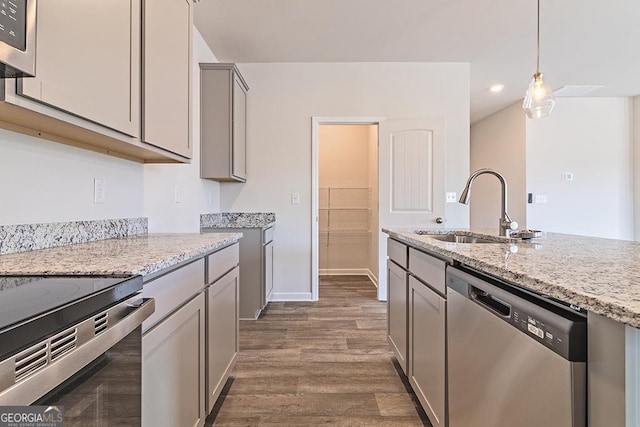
x=237, y=220
x=144, y=255
x=599, y=275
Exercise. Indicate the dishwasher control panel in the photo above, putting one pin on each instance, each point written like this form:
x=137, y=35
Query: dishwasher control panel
x=549, y=335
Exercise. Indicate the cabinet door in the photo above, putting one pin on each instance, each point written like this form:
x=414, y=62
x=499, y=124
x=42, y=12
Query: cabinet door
x=268, y=272
x=239, y=130
x=88, y=62
x=173, y=369
x=223, y=339
x=427, y=350
x=167, y=75
x=397, y=331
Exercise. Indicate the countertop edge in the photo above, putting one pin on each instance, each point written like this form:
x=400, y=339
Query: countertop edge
x=238, y=227
x=170, y=263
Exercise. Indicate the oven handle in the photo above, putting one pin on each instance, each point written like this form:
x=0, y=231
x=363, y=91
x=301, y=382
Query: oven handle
x=129, y=315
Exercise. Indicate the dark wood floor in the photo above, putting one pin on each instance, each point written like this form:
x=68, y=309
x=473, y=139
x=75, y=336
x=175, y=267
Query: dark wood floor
x=323, y=363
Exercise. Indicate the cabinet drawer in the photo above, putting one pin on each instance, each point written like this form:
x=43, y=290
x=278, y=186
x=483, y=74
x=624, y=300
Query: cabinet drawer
x=218, y=263
x=267, y=235
x=397, y=252
x=173, y=289
x=429, y=269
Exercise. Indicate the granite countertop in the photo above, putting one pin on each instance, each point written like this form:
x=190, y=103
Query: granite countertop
x=599, y=275
x=144, y=255
x=237, y=220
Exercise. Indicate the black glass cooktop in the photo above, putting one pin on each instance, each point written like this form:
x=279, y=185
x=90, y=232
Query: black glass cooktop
x=35, y=307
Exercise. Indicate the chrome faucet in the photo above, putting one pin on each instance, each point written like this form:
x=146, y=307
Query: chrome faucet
x=506, y=225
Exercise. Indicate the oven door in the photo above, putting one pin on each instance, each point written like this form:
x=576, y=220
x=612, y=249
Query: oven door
x=97, y=383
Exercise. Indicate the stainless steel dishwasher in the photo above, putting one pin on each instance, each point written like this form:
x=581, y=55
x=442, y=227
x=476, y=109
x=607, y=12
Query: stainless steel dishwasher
x=514, y=358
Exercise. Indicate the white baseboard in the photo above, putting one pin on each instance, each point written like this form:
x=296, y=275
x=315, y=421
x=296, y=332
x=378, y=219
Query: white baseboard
x=349, y=272
x=373, y=278
x=343, y=272
x=290, y=296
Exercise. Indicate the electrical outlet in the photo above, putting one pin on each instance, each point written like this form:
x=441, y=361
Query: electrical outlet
x=567, y=176
x=540, y=198
x=451, y=197
x=295, y=198
x=99, y=191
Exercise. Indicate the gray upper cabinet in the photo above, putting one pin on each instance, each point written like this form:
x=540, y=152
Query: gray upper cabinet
x=166, y=56
x=78, y=45
x=223, y=97
x=111, y=76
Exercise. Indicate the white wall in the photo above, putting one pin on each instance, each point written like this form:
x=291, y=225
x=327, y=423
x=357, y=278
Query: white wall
x=281, y=101
x=636, y=169
x=499, y=142
x=343, y=156
x=196, y=195
x=590, y=137
x=44, y=181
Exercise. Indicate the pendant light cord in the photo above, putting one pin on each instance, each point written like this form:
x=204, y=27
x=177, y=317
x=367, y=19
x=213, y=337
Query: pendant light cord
x=538, y=43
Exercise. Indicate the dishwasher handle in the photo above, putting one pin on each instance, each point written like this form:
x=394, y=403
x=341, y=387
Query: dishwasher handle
x=489, y=301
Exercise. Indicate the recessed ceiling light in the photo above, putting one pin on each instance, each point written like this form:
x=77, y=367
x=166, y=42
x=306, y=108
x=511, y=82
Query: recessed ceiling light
x=496, y=88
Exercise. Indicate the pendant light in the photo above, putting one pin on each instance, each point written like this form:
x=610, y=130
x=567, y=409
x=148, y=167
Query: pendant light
x=539, y=100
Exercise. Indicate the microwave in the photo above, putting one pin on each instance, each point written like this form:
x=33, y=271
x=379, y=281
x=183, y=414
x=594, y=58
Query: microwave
x=17, y=38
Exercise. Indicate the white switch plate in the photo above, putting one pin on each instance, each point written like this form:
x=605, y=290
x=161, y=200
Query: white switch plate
x=176, y=194
x=295, y=198
x=567, y=176
x=99, y=191
x=451, y=197
x=540, y=198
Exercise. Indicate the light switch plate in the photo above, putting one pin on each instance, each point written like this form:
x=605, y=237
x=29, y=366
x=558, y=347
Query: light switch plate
x=295, y=198
x=99, y=190
x=451, y=197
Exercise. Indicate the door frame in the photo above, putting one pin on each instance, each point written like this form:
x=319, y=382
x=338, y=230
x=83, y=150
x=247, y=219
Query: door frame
x=316, y=122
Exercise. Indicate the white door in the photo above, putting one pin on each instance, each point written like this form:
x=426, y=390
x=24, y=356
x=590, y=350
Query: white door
x=411, y=179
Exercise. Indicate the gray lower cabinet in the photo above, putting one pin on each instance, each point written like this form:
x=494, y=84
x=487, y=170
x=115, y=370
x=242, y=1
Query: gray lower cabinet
x=190, y=343
x=397, y=312
x=267, y=255
x=397, y=301
x=416, y=324
x=256, y=268
x=222, y=327
x=223, y=100
x=427, y=349
x=427, y=334
x=173, y=368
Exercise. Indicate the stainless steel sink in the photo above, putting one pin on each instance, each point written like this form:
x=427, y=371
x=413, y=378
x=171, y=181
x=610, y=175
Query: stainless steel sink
x=459, y=238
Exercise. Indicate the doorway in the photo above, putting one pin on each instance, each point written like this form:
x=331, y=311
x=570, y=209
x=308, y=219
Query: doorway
x=410, y=179
x=344, y=198
x=348, y=200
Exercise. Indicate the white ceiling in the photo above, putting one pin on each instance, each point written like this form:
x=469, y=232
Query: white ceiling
x=583, y=42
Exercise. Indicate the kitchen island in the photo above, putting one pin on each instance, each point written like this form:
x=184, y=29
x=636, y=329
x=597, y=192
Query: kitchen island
x=601, y=276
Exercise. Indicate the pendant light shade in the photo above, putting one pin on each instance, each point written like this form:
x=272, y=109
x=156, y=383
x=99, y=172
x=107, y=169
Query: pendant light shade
x=539, y=100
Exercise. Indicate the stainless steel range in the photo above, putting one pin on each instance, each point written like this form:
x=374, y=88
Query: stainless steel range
x=73, y=342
